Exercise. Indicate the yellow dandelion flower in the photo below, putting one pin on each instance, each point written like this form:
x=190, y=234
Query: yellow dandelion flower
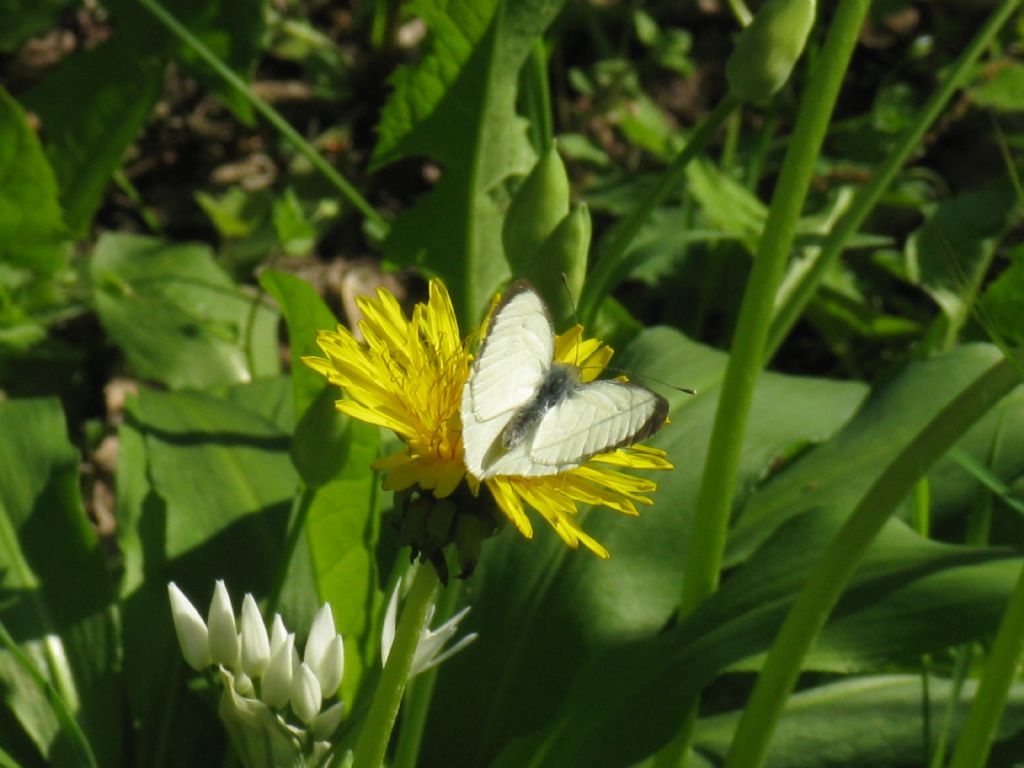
x=409, y=377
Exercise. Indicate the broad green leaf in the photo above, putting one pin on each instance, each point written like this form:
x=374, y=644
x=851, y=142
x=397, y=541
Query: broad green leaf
x=876, y=721
x=342, y=527
x=57, y=594
x=305, y=313
x=569, y=605
x=457, y=107
x=205, y=488
x=627, y=702
x=333, y=455
x=93, y=105
x=177, y=317
x=31, y=230
x=951, y=253
x=837, y=473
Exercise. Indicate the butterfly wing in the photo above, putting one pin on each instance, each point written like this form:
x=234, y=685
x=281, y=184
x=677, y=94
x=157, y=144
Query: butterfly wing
x=507, y=373
x=595, y=418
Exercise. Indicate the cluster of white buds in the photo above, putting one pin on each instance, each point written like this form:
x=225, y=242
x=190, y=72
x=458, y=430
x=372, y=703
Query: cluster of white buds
x=264, y=679
x=272, y=700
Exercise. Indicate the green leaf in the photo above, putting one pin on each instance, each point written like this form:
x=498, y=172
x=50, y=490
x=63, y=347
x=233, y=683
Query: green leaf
x=728, y=204
x=305, y=313
x=628, y=701
x=457, y=107
x=836, y=474
x=31, y=230
x=57, y=594
x=342, y=527
x=204, y=491
x=1003, y=302
x=1004, y=91
x=177, y=317
x=569, y=605
x=950, y=254
x=876, y=721
x=333, y=455
x=93, y=105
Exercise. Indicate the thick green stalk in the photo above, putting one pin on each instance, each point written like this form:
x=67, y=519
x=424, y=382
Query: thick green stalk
x=602, y=279
x=979, y=728
x=835, y=566
x=272, y=116
x=421, y=690
x=714, y=504
x=869, y=194
x=373, y=739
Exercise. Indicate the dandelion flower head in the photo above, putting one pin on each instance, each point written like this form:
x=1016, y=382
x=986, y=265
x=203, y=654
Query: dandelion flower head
x=408, y=376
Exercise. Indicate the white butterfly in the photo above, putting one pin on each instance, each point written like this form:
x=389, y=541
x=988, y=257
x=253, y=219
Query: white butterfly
x=525, y=414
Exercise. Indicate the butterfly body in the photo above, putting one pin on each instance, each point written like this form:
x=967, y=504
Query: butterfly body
x=558, y=384
x=524, y=414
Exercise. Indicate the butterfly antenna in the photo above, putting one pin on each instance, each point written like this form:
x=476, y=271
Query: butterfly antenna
x=687, y=390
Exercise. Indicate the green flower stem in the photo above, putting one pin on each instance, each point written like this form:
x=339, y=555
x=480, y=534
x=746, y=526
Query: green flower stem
x=605, y=272
x=979, y=728
x=373, y=740
x=417, y=700
x=869, y=194
x=824, y=586
x=307, y=150
x=714, y=504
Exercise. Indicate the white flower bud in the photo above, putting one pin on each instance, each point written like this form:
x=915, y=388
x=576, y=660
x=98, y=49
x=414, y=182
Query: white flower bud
x=255, y=643
x=327, y=722
x=224, y=645
x=278, y=633
x=305, y=694
x=331, y=667
x=277, y=679
x=320, y=635
x=190, y=629
x=243, y=685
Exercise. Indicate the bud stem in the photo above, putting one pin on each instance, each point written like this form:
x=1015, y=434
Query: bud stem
x=373, y=741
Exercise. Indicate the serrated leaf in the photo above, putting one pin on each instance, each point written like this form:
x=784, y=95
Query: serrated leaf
x=178, y=318
x=31, y=229
x=457, y=107
x=92, y=107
